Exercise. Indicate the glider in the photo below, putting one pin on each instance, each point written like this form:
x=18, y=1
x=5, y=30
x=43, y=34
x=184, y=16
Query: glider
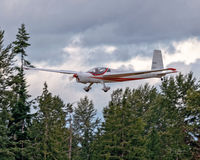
x=107, y=75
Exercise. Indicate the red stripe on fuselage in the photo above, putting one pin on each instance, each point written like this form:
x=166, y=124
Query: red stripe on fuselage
x=117, y=79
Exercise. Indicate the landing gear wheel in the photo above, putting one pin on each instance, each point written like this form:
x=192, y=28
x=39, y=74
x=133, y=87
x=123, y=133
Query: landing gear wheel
x=106, y=89
x=87, y=89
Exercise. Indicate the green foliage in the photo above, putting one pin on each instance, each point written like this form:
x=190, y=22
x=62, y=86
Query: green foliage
x=123, y=128
x=147, y=124
x=167, y=120
x=6, y=71
x=49, y=131
x=85, y=124
x=21, y=44
x=192, y=113
x=20, y=105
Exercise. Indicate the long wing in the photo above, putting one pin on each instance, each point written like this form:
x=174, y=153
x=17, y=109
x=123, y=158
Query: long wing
x=172, y=70
x=52, y=70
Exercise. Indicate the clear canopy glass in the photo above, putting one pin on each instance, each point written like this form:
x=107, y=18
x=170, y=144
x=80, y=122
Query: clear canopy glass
x=97, y=70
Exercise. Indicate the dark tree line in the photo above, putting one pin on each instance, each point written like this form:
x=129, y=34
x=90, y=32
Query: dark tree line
x=143, y=123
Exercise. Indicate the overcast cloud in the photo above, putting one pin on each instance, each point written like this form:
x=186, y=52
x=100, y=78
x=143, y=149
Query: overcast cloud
x=81, y=34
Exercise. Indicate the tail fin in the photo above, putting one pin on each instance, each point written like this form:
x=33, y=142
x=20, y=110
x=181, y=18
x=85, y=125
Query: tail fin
x=157, y=61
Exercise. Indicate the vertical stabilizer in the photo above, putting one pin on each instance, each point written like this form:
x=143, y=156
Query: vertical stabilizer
x=157, y=61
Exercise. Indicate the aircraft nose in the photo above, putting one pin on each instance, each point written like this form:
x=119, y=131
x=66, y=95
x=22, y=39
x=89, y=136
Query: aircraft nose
x=75, y=76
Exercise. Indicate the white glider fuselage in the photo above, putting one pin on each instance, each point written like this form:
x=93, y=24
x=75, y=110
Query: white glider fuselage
x=109, y=75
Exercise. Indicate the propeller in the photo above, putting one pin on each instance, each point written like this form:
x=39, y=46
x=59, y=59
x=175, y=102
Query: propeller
x=74, y=76
x=71, y=78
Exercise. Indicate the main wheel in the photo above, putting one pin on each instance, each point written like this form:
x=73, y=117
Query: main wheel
x=86, y=89
x=106, y=89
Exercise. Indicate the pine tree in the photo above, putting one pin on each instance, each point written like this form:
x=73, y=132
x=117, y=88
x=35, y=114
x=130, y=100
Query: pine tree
x=73, y=148
x=70, y=112
x=193, y=121
x=178, y=115
x=20, y=106
x=49, y=131
x=85, y=125
x=6, y=71
x=123, y=130
x=168, y=129
x=21, y=44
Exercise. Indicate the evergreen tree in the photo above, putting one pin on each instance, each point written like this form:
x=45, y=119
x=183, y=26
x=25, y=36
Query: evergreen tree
x=70, y=112
x=21, y=44
x=181, y=120
x=74, y=148
x=164, y=123
x=49, y=131
x=123, y=130
x=20, y=106
x=96, y=145
x=168, y=128
x=85, y=125
x=193, y=121
x=6, y=71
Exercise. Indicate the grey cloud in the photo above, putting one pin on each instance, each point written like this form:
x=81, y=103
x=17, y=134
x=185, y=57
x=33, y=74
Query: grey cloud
x=48, y=48
x=139, y=20
x=147, y=21
x=101, y=58
x=185, y=69
x=51, y=24
x=181, y=67
x=123, y=53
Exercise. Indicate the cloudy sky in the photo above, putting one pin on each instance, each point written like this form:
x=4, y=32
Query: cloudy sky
x=81, y=34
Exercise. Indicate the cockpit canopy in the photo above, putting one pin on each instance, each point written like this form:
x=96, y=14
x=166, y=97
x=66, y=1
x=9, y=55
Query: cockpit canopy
x=99, y=70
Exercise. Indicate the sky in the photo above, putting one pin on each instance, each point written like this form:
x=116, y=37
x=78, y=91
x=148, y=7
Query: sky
x=82, y=34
